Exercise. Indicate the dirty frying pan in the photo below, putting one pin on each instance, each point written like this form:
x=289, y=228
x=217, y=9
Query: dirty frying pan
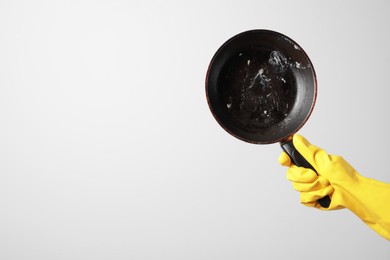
x=261, y=88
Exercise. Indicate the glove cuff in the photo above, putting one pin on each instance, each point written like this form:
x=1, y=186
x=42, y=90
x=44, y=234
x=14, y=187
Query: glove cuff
x=368, y=199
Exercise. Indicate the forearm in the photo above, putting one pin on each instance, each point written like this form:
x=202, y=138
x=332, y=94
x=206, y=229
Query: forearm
x=371, y=205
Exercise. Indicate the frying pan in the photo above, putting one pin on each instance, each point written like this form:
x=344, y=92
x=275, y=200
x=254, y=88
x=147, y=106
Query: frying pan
x=261, y=88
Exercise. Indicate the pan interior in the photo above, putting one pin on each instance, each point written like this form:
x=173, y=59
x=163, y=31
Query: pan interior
x=261, y=86
x=258, y=88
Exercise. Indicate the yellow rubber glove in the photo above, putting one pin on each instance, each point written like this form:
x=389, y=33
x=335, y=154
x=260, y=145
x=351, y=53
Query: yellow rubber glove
x=367, y=198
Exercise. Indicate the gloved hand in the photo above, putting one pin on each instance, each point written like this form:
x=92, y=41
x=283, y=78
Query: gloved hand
x=367, y=198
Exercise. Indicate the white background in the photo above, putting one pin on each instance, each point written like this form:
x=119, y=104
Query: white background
x=108, y=149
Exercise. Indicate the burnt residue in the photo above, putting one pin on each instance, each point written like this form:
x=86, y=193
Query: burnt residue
x=258, y=89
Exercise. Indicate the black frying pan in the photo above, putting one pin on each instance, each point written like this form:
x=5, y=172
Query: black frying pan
x=261, y=87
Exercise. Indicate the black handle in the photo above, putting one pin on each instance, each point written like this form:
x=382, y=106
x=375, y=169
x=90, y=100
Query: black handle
x=300, y=161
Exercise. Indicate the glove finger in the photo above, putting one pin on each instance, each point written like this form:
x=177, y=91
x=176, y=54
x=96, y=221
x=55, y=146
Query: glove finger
x=301, y=175
x=284, y=159
x=310, y=204
x=318, y=184
x=313, y=196
x=311, y=153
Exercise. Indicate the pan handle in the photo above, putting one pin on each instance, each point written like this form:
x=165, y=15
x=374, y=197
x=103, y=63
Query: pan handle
x=300, y=161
